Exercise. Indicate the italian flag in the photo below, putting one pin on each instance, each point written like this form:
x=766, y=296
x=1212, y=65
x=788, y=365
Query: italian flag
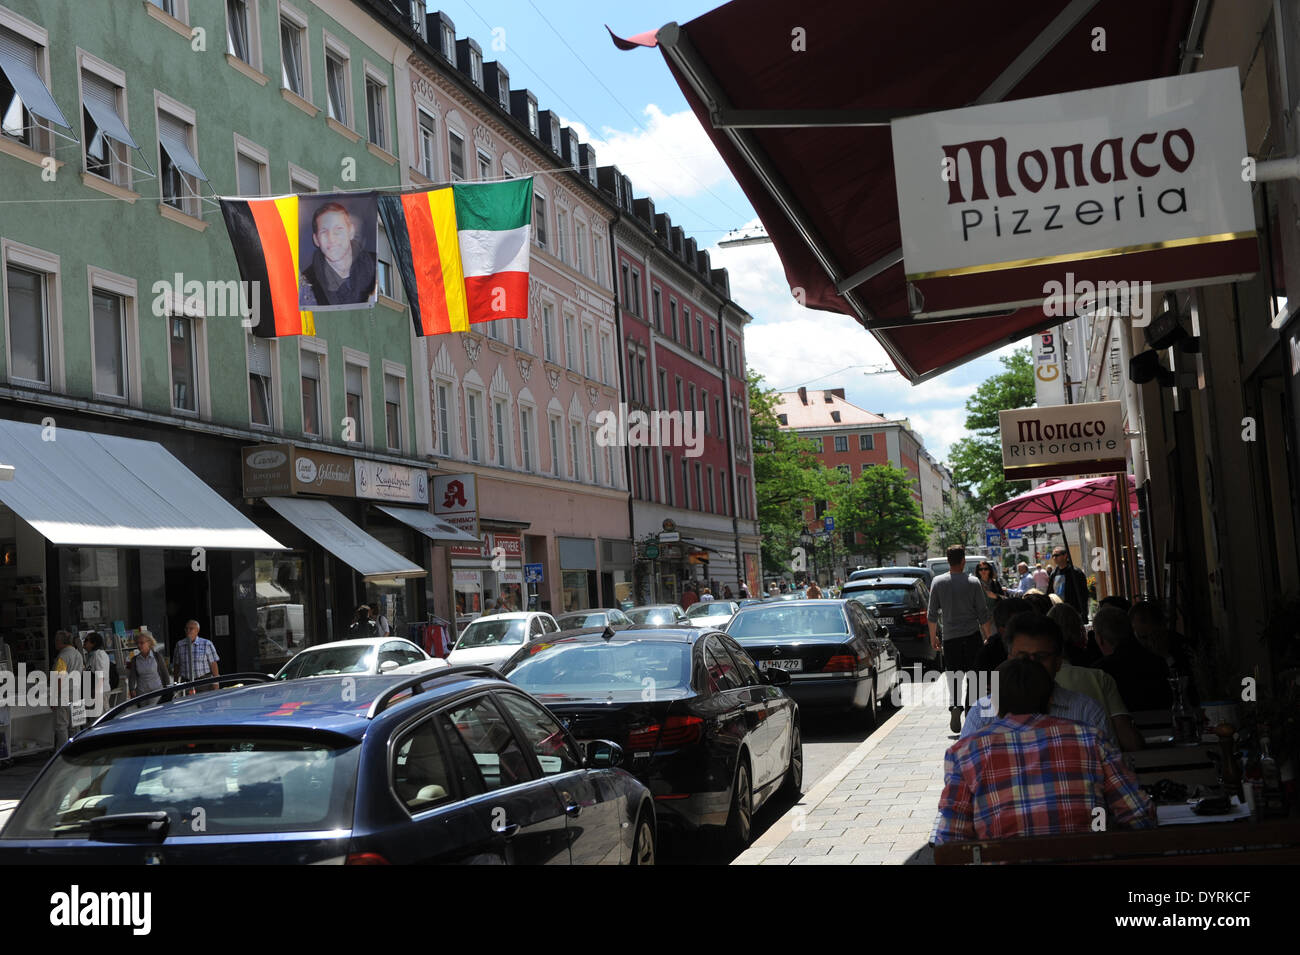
x=462, y=252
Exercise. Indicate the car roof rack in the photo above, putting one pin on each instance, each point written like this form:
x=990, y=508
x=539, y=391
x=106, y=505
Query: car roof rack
x=179, y=689
x=416, y=683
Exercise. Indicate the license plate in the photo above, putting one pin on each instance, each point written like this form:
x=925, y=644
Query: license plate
x=788, y=665
x=887, y=621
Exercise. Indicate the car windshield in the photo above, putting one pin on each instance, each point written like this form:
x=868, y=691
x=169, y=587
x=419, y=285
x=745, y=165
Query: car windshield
x=240, y=786
x=358, y=658
x=656, y=615
x=610, y=669
x=573, y=621
x=881, y=595
x=712, y=608
x=493, y=633
x=777, y=621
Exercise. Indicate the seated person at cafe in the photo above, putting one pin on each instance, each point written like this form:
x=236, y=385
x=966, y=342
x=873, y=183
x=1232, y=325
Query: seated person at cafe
x=1031, y=636
x=1094, y=683
x=1030, y=774
x=994, y=650
x=1174, y=648
x=1142, y=676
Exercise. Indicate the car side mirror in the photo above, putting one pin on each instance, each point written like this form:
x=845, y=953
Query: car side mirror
x=776, y=678
x=603, y=754
x=388, y=665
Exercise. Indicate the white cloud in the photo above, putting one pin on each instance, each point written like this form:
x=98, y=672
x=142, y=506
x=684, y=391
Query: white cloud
x=669, y=155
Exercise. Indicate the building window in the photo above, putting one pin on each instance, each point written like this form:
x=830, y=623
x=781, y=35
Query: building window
x=681, y=404
x=260, y=394
x=354, y=378
x=377, y=111
x=713, y=345
x=384, y=264
x=668, y=479
x=846, y=470
x=532, y=117
x=476, y=67
x=722, y=491
x=311, y=393
x=393, y=389
x=717, y=416
x=597, y=260
x=570, y=351
x=663, y=390
x=106, y=138
x=548, y=332
x=686, y=326
x=699, y=335
x=579, y=246
x=251, y=176
x=561, y=228
x=110, y=344
x=526, y=437
x=841, y=442
x=606, y=358
x=179, y=173
x=456, y=149
x=575, y=450
x=686, y=484
x=336, y=87
x=25, y=57
x=293, y=71
x=449, y=43
x=634, y=294
x=239, y=31
x=557, y=452
x=709, y=476
x=472, y=424
x=499, y=423
x=523, y=334
x=672, y=317
x=690, y=390
x=442, y=397
x=594, y=447
x=586, y=351
x=302, y=182
x=29, y=331
x=428, y=146
x=866, y=442
x=699, y=491
x=539, y=219
x=184, y=364
x=704, y=409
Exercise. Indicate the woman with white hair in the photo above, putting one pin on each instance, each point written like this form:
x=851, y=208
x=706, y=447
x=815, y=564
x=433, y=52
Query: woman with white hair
x=147, y=671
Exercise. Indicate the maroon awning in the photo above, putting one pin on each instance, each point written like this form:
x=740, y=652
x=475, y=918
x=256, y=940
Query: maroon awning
x=825, y=193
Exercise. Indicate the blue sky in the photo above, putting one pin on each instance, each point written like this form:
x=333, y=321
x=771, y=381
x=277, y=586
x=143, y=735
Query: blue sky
x=628, y=106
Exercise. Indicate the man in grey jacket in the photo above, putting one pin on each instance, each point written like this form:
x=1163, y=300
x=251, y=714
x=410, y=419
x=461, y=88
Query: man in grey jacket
x=957, y=599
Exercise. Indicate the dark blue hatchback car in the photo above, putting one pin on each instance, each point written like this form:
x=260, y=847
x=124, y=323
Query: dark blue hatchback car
x=453, y=765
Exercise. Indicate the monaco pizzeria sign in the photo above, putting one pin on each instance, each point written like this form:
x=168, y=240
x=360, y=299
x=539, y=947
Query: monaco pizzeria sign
x=1063, y=440
x=1141, y=182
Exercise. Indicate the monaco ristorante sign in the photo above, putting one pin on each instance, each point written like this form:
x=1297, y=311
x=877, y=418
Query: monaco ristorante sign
x=1063, y=440
x=1141, y=182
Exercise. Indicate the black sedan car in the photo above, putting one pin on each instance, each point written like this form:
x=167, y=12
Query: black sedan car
x=709, y=734
x=600, y=617
x=898, y=603
x=453, y=765
x=837, y=657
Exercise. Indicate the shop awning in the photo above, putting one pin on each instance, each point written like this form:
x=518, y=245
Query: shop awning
x=806, y=133
x=320, y=521
x=98, y=490
x=434, y=528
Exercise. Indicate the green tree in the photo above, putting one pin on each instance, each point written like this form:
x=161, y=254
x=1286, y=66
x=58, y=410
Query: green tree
x=977, y=461
x=959, y=523
x=787, y=477
x=881, y=507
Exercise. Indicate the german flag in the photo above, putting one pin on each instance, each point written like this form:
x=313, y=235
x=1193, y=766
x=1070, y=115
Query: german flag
x=462, y=252
x=264, y=235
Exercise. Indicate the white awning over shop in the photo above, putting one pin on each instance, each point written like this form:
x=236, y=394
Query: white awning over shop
x=432, y=527
x=320, y=521
x=99, y=490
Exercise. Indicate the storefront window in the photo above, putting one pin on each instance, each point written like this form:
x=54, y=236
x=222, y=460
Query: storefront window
x=396, y=597
x=96, y=588
x=575, y=590
x=623, y=597
x=282, y=612
x=469, y=594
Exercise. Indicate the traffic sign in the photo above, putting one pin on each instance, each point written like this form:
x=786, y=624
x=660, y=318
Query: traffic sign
x=652, y=551
x=1016, y=533
x=669, y=537
x=992, y=536
x=533, y=574
x=829, y=523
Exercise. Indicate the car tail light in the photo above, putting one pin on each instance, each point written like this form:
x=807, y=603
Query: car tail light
x=366, y=858
x=840, y=663
x=917, y=617
x=674, y=731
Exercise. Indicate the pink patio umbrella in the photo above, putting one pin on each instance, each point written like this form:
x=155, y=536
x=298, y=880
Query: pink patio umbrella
x=1063, y=500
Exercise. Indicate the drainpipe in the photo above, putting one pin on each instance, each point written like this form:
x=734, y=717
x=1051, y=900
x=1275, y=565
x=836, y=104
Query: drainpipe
x=622, y=383
x=731, y=447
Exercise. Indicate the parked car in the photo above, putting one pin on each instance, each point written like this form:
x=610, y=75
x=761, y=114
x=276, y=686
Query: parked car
x=453, y=765
x=601, y=617
x=711, y=613
x=364, y=655
x=939, y=565
x=490, y=640
x=923, y=572
x=900, y=605
x=710, y=734
x=838, y=658
x=658, y=615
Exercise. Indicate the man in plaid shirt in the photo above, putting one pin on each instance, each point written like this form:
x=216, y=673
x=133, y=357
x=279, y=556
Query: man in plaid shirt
x=1030, y=774
x=194, y=657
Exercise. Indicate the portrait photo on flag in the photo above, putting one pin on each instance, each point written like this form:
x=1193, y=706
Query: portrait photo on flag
x=338, y=237
x=462, y=252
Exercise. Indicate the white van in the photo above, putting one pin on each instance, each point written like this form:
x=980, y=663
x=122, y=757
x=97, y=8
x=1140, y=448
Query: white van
x=939, y=565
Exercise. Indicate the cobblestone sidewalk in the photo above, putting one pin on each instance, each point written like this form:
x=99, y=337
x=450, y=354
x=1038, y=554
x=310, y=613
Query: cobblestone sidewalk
x=878, y=806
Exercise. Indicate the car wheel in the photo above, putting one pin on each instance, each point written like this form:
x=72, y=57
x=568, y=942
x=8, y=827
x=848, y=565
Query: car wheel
x=740, y=820
x=792, y=787
x=869, y=715
x=643, y=844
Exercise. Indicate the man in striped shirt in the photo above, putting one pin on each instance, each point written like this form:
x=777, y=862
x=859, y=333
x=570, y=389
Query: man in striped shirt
x=1030, y=774
x=194, y=657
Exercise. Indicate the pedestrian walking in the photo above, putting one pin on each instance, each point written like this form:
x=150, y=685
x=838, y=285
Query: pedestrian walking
x=97, y=662
x=146, y=671
x=993, y=591
x=68, y=661
x=1026, y=579
x=726, y=591
x=706, y=595
x=1068, y=582
x=194, y=657
x=381, y=622
x=362, y=626
x=1040, y=579
x=813, y=592
x=689, y=596
x=957, y=601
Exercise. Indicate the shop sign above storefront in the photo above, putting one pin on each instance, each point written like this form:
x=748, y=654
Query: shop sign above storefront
x=282, y=470
x=455, y=499
x=1063, y=440
x=378, y=481
x=1002, y=204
